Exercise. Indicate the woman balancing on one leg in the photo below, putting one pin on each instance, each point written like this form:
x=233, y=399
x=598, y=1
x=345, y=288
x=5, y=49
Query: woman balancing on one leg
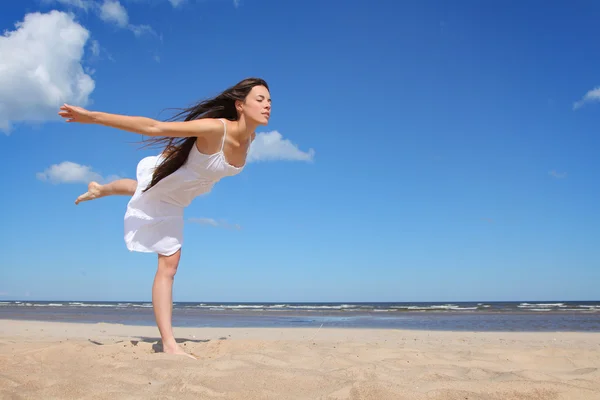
x=210, y=143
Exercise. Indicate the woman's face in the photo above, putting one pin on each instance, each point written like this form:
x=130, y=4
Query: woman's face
x=257, y=107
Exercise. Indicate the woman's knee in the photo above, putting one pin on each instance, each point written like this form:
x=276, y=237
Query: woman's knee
x=168, y=264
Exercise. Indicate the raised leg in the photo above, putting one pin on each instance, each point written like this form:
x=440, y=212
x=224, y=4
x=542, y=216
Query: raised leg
x=124, y=187
x=162, y=301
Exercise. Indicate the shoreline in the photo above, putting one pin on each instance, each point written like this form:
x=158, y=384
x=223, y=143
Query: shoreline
x=27, y=328
x=554, y=321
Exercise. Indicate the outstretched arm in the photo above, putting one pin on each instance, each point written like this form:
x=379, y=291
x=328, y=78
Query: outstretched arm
x=142, y=125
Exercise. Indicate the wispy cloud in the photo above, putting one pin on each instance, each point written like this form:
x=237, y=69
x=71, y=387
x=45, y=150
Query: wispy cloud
x=139, y=30
x=42, y=68
x=236, y=3
x=82, y=4
x=215, y=223
x=3, y=293
x=591, y=96
x=557, y=175
x=95, y=48
x=112, y=11
x=70, y=172
x=109, y=11
x=271, y=146
x=176, y=3
x=97, y=52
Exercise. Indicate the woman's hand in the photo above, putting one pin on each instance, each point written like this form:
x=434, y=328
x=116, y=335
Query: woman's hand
x=76, y=114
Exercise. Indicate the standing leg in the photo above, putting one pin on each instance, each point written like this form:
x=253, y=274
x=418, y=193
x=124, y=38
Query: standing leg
x=162, y=301
x=125, y=187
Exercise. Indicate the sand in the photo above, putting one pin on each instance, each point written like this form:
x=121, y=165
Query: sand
x=51, y=360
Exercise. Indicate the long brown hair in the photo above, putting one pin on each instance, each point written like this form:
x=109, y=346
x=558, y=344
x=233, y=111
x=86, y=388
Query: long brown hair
x=177, y=150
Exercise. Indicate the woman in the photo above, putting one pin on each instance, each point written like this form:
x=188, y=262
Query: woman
x=210, y=143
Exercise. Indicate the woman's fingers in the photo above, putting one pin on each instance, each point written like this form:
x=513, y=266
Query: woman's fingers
x=66, y=108
x=70, y=113
x=68, y=116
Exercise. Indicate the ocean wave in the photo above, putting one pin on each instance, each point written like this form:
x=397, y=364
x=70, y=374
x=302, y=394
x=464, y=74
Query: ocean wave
x=541, y=305
x=434, y=307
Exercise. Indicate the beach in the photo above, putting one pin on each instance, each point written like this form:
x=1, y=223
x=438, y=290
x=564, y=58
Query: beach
x=59, y=360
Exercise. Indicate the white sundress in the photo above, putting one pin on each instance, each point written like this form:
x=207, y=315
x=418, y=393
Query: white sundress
x=153, y=220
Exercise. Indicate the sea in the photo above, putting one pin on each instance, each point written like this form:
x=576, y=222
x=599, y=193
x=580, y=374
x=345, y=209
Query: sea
x=522, y=316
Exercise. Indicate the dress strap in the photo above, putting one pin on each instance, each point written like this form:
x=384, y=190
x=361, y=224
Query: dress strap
x=224, y=133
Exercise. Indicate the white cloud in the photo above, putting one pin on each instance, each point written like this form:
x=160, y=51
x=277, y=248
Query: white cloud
x=557, y=175
x=215, y=223
x=70, y=172
x=236, y=3
x=271, y=146
x=40, y=68
x=113, y=11
x=176, y=3
x=591, y=96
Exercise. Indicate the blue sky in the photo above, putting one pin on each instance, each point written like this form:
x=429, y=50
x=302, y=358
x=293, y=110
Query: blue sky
x=420, y=150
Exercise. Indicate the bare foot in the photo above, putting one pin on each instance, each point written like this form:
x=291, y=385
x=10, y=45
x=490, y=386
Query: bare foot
x=177, y=350
x=94, y=192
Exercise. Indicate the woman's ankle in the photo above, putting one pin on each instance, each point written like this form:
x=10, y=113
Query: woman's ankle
x=169, y=343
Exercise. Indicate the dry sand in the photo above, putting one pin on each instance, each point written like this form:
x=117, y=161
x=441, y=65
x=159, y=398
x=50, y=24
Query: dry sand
x=49, y=360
